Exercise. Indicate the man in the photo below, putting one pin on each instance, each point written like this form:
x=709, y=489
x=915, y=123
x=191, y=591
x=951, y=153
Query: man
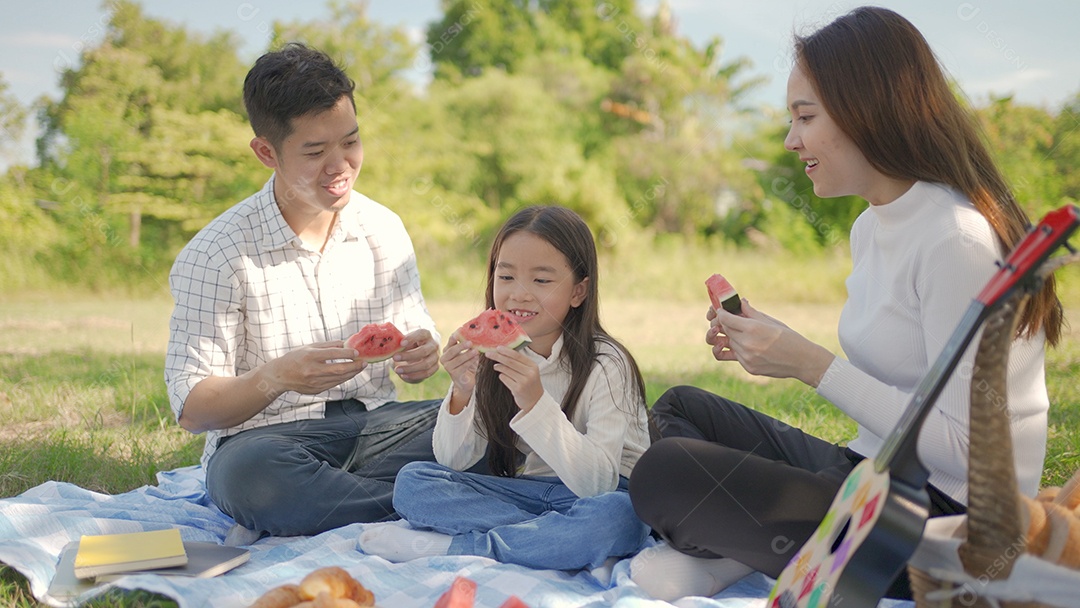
x=301, y=436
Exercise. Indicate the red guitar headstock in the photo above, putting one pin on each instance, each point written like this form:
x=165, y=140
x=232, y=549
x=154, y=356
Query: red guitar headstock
x=1040, y=242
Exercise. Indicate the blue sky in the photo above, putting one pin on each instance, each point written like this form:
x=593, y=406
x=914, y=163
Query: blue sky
x=1029, y=49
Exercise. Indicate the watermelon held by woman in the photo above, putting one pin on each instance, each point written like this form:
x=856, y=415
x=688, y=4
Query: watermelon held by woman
x=723, y=295
x=492, y=329
x=376, y=342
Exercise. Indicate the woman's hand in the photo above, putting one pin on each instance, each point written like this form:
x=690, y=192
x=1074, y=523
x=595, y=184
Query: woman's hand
x=764, y=346
x=520, y=374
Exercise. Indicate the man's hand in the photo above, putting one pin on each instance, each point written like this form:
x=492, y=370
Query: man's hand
x=313, y=369
x=419, y=358
x=219, y=402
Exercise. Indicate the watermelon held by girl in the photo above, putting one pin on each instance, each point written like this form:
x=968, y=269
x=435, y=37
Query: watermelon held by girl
x=492, y=329
x=723, y=295
x=376, y=342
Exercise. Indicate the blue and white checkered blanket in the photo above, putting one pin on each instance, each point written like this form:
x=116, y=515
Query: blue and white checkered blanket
x=35, y=526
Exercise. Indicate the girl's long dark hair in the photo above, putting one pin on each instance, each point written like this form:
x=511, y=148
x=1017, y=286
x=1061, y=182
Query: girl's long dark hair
x=879, y=80
x=581, y=332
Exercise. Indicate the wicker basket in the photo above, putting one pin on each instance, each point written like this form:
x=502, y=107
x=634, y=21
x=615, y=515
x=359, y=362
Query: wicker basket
x=968, y=562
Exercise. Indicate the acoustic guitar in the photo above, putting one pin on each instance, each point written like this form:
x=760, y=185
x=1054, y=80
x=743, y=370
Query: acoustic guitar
x=877, y=517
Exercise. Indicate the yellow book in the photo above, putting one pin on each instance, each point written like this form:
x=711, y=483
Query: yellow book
x=112, y=553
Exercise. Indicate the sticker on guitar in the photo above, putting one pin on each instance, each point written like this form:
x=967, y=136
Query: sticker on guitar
x=815, y=572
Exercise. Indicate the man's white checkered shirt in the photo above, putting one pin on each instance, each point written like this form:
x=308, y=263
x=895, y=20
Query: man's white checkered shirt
x=247, y=290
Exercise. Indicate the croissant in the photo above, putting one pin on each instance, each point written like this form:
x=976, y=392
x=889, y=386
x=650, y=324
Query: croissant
x=338, y=584
x=284, y=596
x=329, y=587
x=1053, y=524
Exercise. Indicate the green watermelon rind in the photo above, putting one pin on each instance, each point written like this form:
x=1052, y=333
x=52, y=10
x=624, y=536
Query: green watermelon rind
x=519, y=340
x=723, y=295
x=518, y=344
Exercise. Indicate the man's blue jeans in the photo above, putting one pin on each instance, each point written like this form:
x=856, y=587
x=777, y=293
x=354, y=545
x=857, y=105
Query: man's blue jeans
x=532, y=521
x=306, y=477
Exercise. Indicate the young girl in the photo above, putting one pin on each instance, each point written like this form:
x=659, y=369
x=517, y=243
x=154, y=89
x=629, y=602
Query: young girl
x=562, y=423
x=874, y=116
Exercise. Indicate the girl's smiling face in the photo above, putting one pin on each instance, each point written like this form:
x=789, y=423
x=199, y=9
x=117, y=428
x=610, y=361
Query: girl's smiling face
x=534, y=283
x=833, y=162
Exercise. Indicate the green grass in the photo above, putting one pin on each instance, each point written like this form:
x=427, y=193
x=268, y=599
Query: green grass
x=82, y=398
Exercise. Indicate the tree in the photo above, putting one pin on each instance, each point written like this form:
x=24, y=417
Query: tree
x=373, y=55
x=147, y=129
x=473, y=36
x=519, y=149
x=12, y=121
x=197, y=72
x=1021, y=138
x=677, y=128
x=1064, y=151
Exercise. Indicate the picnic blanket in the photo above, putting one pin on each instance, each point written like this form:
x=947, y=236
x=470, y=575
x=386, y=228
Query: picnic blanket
x=35, y=526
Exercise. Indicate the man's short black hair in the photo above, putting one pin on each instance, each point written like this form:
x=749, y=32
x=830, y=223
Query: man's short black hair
x=289, y=83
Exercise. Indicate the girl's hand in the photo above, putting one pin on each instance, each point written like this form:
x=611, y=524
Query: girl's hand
x=520, y=374
x=765, y=346
x=460, y=360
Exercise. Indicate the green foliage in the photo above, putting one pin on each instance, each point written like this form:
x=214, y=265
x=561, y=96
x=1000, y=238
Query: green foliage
x=26, y=233
x=573, y=102
x=12, y=118
x=1021, y=138
x=1065, y=150
x=473, y=36
x=373, y=55
x=198, y=73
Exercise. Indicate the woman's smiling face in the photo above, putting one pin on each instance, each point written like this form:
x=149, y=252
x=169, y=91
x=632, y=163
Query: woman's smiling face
x=833, y=162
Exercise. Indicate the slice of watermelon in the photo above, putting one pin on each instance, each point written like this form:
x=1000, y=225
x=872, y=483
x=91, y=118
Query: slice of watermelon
x=376, y=342
x=723, y=295
x=513, y=602
x=461, y=594
x=492, y=329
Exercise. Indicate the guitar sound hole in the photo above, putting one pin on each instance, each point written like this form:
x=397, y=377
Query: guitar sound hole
x=841, y=532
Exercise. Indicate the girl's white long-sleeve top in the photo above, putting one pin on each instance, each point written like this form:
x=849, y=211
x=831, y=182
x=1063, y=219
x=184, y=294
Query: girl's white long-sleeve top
x=918, y=262
x=604, y=440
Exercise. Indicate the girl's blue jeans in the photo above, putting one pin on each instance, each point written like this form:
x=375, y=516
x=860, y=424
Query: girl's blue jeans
x=531, y=521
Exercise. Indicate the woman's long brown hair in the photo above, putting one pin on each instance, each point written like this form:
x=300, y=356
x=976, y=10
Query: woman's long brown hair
x=581, y=332
x=879, y=80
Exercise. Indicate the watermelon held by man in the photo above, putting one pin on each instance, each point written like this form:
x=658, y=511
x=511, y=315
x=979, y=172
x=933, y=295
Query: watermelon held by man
x=376, y=342
x=491, y=329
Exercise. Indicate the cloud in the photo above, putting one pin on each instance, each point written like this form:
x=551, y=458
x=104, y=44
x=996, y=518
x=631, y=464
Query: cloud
x=39, y=40
x=1010, y=82
x=416, y=34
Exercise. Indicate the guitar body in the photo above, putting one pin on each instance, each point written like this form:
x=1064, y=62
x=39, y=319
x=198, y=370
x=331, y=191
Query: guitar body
x=860, y=547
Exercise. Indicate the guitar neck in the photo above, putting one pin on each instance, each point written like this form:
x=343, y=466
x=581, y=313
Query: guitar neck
x=898, y=454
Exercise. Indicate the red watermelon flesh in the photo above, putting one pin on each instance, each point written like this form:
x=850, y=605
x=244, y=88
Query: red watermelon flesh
x=376, y=342
x=513, y=602
x=461, y=594
x=492, y=329
x=723, y=295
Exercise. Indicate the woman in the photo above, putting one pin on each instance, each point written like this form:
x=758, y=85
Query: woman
x=872, y=115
